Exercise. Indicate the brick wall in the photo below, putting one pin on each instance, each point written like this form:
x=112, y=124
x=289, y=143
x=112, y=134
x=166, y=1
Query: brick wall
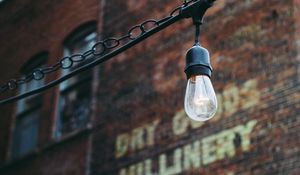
x=28, y=28
x=255, y=76
x=68, y=157
x=139, y=126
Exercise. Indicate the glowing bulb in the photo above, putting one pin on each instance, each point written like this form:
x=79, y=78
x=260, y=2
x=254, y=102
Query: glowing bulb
x=200, y=99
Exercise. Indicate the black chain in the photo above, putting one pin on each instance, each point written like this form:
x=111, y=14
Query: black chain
x=99, y=48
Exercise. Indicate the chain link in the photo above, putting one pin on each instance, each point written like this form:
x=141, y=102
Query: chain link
x=99, y=48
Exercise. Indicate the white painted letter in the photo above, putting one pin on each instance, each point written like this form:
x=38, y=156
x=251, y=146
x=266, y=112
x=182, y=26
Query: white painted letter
x=192, y=156
x=122, y=143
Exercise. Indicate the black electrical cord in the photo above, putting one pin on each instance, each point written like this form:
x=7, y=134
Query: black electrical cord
x=197, y=34
x=184, y=11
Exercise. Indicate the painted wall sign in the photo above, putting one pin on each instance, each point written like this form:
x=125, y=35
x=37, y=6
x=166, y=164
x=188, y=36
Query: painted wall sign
x=196, y=153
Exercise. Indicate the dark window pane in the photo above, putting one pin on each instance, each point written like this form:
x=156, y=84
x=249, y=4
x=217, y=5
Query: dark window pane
x=25, y=135
x=75, y=96
x=28, y=111
x=75, y=107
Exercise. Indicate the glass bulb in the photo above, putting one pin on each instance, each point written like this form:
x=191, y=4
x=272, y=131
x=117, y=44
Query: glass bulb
x=200, y=102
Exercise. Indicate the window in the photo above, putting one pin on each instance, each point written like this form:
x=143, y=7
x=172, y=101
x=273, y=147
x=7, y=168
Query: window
x=28, y=112
x=75, y=93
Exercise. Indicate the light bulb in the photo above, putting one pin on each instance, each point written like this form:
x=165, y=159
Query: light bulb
x=200, y=102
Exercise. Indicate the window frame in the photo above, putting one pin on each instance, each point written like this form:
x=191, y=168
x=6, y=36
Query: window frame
x=81, y=33
x=28, y=109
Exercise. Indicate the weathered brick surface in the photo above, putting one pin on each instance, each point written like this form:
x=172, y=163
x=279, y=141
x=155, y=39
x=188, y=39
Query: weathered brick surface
x=28, y=28
x=255, y=75
x=139, y=124
x=68, y=157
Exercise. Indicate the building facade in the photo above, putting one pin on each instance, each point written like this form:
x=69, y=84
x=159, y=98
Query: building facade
x=126, y=116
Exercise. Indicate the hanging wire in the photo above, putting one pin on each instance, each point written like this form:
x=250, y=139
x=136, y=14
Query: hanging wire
x=197, y=34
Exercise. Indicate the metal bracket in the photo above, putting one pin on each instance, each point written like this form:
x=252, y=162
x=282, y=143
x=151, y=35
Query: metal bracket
x=198, y=10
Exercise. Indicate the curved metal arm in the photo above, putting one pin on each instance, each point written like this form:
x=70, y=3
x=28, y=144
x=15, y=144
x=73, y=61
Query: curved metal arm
x=194, y=8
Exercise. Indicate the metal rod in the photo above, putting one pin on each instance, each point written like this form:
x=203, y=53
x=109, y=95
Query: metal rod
x=100, y=59
x=197, y=34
